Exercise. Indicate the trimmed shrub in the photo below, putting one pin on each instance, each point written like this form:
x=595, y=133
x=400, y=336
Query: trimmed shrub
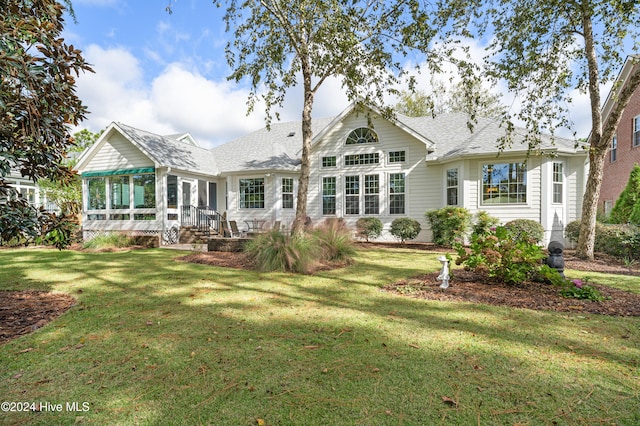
x=448, y=224
x=484, y=223
x=369, y=227
x=526, y=229
x=405, y=228
x=334, y=240
x=572, y=231
x=622, y=241
x=502, y=256
x=275, y=251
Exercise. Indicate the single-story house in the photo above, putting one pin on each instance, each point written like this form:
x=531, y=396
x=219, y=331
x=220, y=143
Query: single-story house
x=362, y=164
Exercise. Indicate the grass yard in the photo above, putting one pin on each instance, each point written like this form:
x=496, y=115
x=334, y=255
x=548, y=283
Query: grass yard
x=156, y=341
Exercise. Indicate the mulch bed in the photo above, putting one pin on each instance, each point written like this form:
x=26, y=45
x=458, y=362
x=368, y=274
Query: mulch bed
x=22, y=312
x=470, y=287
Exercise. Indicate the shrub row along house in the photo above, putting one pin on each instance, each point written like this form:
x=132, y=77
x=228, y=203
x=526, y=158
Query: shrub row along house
x=362, y=164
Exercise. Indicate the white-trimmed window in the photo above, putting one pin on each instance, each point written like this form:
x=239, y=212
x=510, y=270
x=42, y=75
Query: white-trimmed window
x=361, y=159
x=252, y=193
x=504, y=183
x=121, y=197
x=287, y=193
x=329, y=195
x=452, y=187
x=614, y=149
x=361, y=135
x=351, y=195
x=636, y=131
x=558, y=182
x=396, y=156
x=329, y=162
x=396, y=193
x=371, y=194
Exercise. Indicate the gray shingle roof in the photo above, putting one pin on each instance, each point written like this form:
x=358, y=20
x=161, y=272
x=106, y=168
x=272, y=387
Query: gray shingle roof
x=279, y=148
x=169, y=152
x=275, y=149
x=453, y=138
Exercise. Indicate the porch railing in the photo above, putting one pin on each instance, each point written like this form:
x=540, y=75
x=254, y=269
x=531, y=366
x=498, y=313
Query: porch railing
x=204, y=219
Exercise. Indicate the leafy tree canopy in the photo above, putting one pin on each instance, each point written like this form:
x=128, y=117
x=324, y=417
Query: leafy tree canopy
x=275, y=45
x=474, y=100
x=39, y=105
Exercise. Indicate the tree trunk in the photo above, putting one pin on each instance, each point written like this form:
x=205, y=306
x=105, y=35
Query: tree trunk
x=307, y=136
x=586, y=240
x=597, y=152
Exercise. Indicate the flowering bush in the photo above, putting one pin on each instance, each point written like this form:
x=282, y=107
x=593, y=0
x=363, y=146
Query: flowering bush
x=578, y=289
x=502, y=257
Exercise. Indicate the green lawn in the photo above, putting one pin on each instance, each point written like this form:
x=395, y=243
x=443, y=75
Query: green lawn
x=156, y=341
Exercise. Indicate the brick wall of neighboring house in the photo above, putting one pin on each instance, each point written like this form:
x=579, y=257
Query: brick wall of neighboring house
x=616, y=173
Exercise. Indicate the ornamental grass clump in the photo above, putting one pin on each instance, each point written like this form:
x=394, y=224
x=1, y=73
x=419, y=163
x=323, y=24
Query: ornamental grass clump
x=334, y=241
x=109, y=240
x=501, y=257
x=277, y=251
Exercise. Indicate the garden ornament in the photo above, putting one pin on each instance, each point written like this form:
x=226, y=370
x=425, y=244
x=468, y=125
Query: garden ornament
x=444, y=273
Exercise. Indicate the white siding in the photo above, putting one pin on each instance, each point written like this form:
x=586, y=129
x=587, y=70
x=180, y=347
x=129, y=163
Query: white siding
x=422, y=184
x=118, y=153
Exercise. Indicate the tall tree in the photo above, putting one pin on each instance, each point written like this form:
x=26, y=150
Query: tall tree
x=39, y=106
x=474, y=100
x=543, y=50
x=276, y=43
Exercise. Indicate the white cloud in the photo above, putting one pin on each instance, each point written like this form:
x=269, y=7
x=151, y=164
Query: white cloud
x=177, y=100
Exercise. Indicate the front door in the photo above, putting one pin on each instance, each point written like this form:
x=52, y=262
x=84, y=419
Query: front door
x=186, y=194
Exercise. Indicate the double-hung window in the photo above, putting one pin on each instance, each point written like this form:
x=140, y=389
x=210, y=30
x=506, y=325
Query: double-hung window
x=329, y=195
x=287, y=193
x=614, y=149
x=452, y=187
x=252, y=193
x=636, y=131
x=371, y=194
x=397, y=193
x=558, y=181
x=352, y=195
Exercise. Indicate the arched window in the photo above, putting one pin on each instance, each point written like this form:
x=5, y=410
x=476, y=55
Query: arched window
x=362, y=135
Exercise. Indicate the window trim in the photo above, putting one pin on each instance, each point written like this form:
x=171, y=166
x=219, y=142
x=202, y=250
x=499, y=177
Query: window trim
x=614, y=149
x=448, y=187
x=334, y=196
x=404, y=152
x=391, y=194
x=242, y=203
x=635, y=135
x=370, y=138
x=335, y=162
x=555, y=183
x=509, y=184
x=291, y=193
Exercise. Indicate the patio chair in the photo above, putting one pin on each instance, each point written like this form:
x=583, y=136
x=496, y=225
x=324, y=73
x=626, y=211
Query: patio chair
x=226, y=232
x=235, y=232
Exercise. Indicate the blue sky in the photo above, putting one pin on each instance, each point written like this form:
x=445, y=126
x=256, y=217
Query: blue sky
x=166, y=73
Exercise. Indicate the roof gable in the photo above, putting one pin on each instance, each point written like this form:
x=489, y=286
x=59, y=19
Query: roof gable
x=163, y=151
